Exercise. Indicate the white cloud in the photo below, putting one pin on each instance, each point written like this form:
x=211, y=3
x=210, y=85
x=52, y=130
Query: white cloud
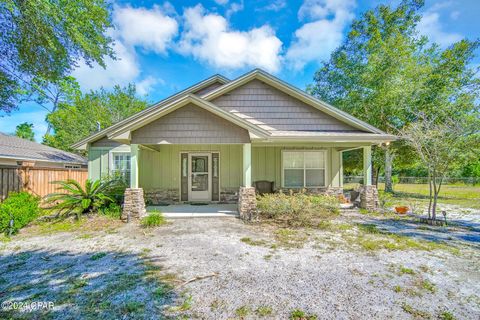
x=315, y=40
x=208, y=37
x=146, y=85
x=431, y=27
x=150, y=29
x=234, y=7
x=275, y=6
x=121, y=71
x=221, y=2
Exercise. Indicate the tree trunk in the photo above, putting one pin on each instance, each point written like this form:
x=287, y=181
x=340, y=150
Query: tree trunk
x=388, y=170
x=435, y=196
x=429, y=195
x=377, y=174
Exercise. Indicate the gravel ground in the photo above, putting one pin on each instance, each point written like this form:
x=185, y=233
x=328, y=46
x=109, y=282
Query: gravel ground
x=317, y=272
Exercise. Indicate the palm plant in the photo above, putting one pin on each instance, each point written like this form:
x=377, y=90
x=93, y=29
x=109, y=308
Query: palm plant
x=74, y=199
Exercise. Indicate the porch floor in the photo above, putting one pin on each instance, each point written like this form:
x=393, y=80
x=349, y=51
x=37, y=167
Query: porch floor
x=189, y=211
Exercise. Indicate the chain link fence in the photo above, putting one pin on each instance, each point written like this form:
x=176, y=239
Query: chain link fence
x=416, y=180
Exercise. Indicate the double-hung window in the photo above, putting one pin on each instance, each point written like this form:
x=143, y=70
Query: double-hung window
x=121, y=164
x=304, y=169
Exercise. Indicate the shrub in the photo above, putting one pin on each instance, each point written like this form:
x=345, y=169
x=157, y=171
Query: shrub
x=113, y=210
x=153, y=219
x=22, y=207
x=297, y=209
x=78, y=200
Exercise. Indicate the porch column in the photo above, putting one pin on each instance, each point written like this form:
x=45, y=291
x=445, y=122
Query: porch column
x=134, y=166
x=247, y=165
x=133, y=203
x=367, y=166
x=247, y=202
x=368, y=192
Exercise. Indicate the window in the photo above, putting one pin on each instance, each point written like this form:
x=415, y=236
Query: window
x=303, y=169
x=121, y=165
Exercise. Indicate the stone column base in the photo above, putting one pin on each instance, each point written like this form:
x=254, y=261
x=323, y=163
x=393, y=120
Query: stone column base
x=133, y=204
x=247, y=203
x=369, y=198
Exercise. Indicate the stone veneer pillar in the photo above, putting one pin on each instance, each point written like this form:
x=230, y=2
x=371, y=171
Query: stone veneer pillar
x=247, y=203
x=369, y=197
x=133, y=204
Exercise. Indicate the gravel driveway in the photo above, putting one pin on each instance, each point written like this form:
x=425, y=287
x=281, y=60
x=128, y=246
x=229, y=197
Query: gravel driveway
x=250, y=272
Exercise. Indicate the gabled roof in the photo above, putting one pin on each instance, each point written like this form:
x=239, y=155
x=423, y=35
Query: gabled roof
x=15, y=148
x=194, y=88
x=294, y=92
x=123, y=132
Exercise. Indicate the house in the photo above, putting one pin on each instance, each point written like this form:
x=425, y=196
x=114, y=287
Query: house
x=212, y=141
x=29, y=166
x=15, y=152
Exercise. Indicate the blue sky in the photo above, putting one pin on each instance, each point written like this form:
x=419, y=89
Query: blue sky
x=164, y=47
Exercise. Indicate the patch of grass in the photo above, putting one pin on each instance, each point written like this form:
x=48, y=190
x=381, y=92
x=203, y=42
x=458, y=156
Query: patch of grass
x=243, y=311
x=132, y=307
x=397, y=289
x=264, y=311
x=98, y=255
x=405, y=270
x=267, y=257
x=415, y=312
x=298, y=314
x=217, y=304
x=79, y=283
x=289, y=238
x=368, y=228
x=446, y=315
x=185, y=306
x=153, y=219
x=252, y=242
x=85, y=236
x=425, y=285
x=60, y=226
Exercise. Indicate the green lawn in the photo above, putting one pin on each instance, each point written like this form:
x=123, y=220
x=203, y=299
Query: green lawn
x=458, y=194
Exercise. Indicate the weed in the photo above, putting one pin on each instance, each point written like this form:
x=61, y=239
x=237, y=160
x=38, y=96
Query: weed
x=405, y=270
x=153, y=219
x=289, y=238
x=263, y=311
x=298, y=314
x=446, y=315
x=397, y=289
x=98, y=255
x=132, y=307
x=243, y=311
x=252, y=242
x=415, y=312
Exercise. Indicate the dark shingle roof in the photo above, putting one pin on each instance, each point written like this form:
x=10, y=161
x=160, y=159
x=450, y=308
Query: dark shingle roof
x=16, y=148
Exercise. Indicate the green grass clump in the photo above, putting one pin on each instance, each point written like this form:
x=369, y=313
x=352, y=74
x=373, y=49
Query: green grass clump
x=263, y=311
x=243, y=311
x=252, y=242
x=415, y=312
x=298, y=314
x=98, y=255
x=153, y=219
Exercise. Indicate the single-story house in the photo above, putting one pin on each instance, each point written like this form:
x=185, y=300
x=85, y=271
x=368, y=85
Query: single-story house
x=212, y=141
x=16, y=152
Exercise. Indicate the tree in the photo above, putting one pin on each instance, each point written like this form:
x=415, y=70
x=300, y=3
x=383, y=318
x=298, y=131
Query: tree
x=440, y=145
x=81, y=118
x=386, y=74
x=25, y=131
x=45, y=39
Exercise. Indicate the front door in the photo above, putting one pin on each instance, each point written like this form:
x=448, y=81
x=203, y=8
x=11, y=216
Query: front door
x=200, y=179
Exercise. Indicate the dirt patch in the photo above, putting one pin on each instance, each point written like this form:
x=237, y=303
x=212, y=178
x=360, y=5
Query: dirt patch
x=260, y=271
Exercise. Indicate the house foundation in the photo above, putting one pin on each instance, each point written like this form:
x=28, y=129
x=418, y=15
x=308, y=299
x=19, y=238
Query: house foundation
x=133, y=204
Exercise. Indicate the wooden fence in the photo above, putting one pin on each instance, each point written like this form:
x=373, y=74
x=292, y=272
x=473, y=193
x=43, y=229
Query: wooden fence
x=36, y=180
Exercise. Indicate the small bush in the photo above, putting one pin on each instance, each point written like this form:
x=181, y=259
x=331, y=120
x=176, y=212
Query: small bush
x=22, y=207
x=113, y=210
x=298, y=209
x=153, y=219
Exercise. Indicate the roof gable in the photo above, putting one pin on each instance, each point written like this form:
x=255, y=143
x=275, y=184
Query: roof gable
x=274, y=110
x=263, y=76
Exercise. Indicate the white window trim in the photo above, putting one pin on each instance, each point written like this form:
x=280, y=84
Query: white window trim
x=326, y=162
x=111, y=160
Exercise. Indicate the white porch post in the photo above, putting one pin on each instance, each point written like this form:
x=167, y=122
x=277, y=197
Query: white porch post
x=247, y=165
x=367, y=166
x=134, y=166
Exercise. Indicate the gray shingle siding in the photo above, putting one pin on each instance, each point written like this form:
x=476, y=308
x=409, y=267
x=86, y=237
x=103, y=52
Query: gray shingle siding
x=274, y=110
x=190, y=124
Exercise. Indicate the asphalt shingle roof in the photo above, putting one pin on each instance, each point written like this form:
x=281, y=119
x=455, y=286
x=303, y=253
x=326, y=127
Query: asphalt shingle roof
x=17, y=148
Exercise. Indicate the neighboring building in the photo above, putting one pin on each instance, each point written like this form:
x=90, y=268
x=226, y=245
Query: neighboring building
x=205, y=142
x=16, y=152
